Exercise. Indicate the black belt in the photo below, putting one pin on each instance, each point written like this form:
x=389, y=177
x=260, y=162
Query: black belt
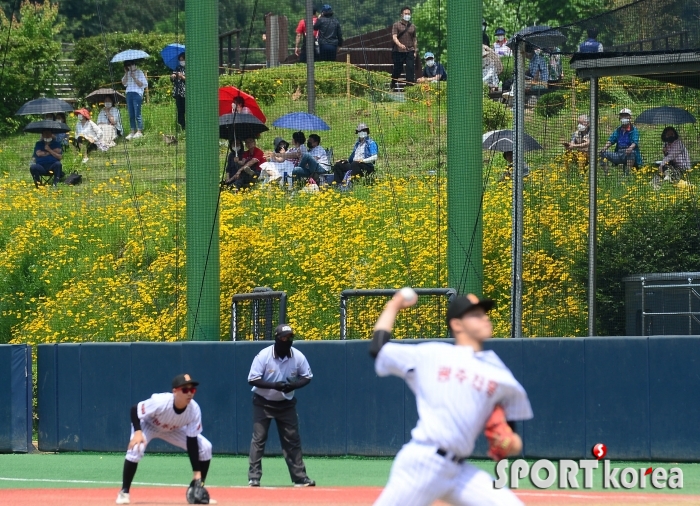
x=452, y=457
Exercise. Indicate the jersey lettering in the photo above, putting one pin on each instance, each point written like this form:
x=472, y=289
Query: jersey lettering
x=444, y=373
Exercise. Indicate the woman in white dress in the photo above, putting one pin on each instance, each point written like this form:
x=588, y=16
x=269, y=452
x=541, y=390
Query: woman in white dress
x=109, y=121
x=274, y=169
x=87, y=133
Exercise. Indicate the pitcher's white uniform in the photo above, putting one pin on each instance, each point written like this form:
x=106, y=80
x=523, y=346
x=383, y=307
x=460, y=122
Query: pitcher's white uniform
x=159, y=420
x=456, y=391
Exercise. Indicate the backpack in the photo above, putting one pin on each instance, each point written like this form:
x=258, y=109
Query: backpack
x=73, y=178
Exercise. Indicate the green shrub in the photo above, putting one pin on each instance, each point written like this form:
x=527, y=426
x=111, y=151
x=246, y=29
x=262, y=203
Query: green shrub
x=551, y=104
x=496, y=116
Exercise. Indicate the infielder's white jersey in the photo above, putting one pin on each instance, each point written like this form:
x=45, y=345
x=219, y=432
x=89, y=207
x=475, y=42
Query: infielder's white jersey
x=159, y=414
x=456, y=391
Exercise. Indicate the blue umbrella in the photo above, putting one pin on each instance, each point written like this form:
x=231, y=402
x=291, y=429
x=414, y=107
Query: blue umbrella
x=301, y=121
x=130, y=55
x=170, y=54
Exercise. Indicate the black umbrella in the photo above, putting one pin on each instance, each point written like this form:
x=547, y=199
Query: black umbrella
x=241, y=126
x=55, y=127
x=502, y=140
x=665, y=116
x=100, y=95
x=540, y=36
x=44, y=106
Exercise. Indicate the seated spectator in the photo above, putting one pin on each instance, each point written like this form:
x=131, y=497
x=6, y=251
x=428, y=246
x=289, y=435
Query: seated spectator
x=86, y=133
x=500, y=46
x=239, y=106
x=47, y=159
x=433, y=71
x=277, y=167
x=315, y=161
x=626, y=139
x=538, y=69
x=675, y=153
x=109, y=121
x=508, y=173
x=491, y=66
x=49, y=116
x=244, y=172
x=580, y=140
x=556, y=70
x=362, y=158
x=62, y=137
x=591, y=45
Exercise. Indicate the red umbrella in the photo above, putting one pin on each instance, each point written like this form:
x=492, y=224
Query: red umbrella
x=226, y=96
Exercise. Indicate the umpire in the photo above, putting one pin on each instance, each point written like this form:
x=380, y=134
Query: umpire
x=276, y=372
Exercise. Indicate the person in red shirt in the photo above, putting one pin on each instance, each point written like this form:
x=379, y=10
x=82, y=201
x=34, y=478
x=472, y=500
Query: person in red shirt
x=244, y=172
x=300, y=43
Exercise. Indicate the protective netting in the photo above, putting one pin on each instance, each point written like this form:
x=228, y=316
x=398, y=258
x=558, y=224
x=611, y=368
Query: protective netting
x=105, y=260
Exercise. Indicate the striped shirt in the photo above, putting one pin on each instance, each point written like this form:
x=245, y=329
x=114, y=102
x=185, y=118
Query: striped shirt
x=159, y=414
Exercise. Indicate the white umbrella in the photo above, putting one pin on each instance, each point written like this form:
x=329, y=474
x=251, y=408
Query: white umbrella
x=130, y=55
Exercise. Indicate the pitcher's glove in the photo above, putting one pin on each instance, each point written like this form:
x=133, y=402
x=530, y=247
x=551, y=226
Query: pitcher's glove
x=197, y=494
x=499, y=435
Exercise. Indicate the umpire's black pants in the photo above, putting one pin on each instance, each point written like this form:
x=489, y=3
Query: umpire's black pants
x=285, y=414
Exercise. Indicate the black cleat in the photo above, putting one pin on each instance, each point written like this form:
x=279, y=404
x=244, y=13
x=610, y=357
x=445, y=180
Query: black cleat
x=306, y=482
x=253, y=483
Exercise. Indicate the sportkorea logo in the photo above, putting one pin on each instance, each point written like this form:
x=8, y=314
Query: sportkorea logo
x=564, y=474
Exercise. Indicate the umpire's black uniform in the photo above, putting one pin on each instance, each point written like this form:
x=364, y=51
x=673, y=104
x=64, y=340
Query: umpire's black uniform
x=276, y=372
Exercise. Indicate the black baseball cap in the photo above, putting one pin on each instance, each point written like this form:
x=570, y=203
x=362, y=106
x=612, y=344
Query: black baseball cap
x=184, y=379
x=283, y=330
x=462, y=304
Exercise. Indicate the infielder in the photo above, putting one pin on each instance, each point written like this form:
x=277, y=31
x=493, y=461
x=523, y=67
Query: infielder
x=276, y=372
x=457, y=388
x=176, y=418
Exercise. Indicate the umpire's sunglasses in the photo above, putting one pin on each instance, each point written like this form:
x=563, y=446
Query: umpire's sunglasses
x=187, y=390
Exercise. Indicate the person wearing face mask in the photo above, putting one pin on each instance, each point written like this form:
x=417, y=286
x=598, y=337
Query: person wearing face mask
x=178, y=80
x=276, y=372
x=330, y=35
x=135, y=82
x=86, y=134
x=676, y=159
x=538, y=69
x=48, y=154
x=403, y=52
x=626, y=140
x=580, y=140
x=362, y=158
x=109, y=121
x=315, y=161
x=500, y=46
x=433, y=71
x=244, y=169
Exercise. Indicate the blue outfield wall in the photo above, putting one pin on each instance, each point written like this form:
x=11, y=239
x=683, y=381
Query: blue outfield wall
x=633, y=394
x=15, y=398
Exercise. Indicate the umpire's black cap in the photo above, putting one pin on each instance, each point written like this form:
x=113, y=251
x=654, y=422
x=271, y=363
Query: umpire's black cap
x=283, y=330
x=462, y=304
x=184, y=379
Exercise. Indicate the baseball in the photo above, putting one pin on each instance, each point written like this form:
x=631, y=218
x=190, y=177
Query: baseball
x=408, y=294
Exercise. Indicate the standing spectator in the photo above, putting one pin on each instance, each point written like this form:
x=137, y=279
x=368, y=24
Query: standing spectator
x=403, y=34
x=591, y=45
x=433, y=71
x=484, y=36
x=315, y=161
x=47, y=159
x=274, y=375
x=178, y=80
x=500, y=46
x=109, y=121
x=301, y=38
x=135, y=82
x=361, y=160
x=626, y=139
x=246, y=170
x=330, y=36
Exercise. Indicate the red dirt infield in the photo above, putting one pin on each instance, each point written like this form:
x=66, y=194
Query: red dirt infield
x=287, y=496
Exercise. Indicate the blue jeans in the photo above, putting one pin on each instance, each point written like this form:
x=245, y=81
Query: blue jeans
x=618, y=157
x=133, y=104
x=308, y=166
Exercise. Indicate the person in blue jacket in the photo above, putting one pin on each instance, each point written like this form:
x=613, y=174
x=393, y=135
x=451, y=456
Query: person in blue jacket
x=362, y=159
x=626, y=140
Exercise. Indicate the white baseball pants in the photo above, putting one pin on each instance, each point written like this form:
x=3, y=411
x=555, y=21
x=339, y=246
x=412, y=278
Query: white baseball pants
x=177, y=438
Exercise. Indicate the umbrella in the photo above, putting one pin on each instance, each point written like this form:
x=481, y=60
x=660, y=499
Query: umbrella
x=44, y=106
x=241, y=126
x=665, y=116
x=540, y=36
x=226, y=96
x=100, y=95
x=301, y=121
x=130, y=55
x=54, y=126
x=502, y=140
x=171, y=53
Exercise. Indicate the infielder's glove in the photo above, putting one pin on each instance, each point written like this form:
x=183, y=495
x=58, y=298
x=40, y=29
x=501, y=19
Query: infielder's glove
x=499, y=435
x=197, y=494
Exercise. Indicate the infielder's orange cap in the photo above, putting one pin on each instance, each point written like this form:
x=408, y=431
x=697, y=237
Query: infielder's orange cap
x=184, y=379
x=462, y=304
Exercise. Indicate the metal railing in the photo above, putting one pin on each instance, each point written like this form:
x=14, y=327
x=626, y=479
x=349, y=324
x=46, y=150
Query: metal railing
x=693, y=294
x=262, y=312
x=661, y=42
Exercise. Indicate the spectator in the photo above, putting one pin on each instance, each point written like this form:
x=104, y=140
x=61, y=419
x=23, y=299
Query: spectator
x=554, y=65
x=239, y=107
x=298, y=149
x=315, y=161
x=109, y=121
x=484, y=36
x=178, y=80
x=500, y=46
x=508, y=173
x=47, y=159
x=135, y=83
x=675, y=153
x=61, y=137
x=403, y=34
x=300, y=51
x=538, y=69
x=433, y=71
x=591, y=45
x=362, y=157
x=244, y=172
x=86, y=133
x=49, y=116
x=491, y=66
x=330, y=36
x=626, y=139
x=580, y=140
x=277, y=167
